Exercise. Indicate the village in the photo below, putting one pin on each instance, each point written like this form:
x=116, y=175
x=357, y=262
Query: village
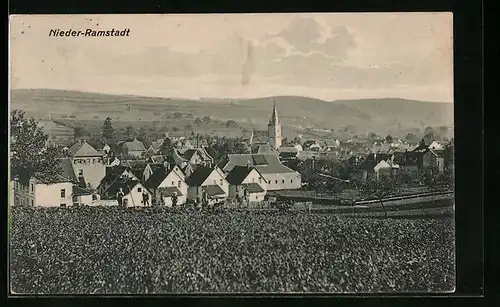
x=174, y=171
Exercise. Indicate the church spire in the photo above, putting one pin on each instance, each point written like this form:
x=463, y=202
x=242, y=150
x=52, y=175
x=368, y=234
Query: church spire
x=274, y=117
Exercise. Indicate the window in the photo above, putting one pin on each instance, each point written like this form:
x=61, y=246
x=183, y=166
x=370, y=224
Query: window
x=179, y=184
x=283, y=181
x=221, y=182
x=139, y=190
x=63, y=193
x=173, y=182
x=32, y=187
x=80, y=172
x=32, y=203
x=94, y=197
x=253, y=179
x=215, y=181
x=260, y=179
x=276, y=181
x=291, y=180
x=62, y=205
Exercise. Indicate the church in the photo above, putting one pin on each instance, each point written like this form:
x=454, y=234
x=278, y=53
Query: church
x=266, y=141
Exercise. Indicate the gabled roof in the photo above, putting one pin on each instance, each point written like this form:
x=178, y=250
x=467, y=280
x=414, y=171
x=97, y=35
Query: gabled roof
x=67, y=169
x=373, y=159
x=113, y=173
x=50, y=178
x=135, y=145
x=288, y=149
x=83, y=149
x=159, y=174
x=238, y=174
x=253, y=187
x=78, y=191
x=199, y=175
x=170, y=191
x=264, y=163
x=213, y=190
x=126, y=184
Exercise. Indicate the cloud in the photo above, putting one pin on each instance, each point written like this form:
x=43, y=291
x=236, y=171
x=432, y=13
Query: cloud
x=304, y=53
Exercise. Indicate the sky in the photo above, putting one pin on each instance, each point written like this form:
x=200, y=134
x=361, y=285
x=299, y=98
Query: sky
x=326, y=56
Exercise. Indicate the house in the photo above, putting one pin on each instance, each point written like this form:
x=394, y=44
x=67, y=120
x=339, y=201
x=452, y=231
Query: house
x=83, y=197
x=377, y=165
x=329, y=144
x=134, y=148
x=195, y=156
x=435, y=146
x=164, y=182
x=434, y=160
x=87, y=163
x=155, y=147
x=42, y=190
x=132, y=190
x=113, y=174
x=288, y=153
x=207, y=184
x=158, y=159
x=311, y=145
x=277, y=175
x=247, y=184
x=112, y=161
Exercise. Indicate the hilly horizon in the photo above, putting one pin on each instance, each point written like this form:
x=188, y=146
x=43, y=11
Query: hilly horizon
x=380, y=115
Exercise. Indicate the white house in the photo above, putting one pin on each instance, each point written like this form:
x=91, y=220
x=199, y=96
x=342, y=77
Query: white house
x=435, y=146
x=385, y=168
x=132, y=190
x=83, y=196
x=165, y=182
x=277, y=175
x=44, y=191
x=246, y=184
x=207, y=183
x=113, y=174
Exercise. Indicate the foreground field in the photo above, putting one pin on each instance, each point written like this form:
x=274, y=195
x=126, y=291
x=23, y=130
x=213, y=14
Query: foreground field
x=112, y=251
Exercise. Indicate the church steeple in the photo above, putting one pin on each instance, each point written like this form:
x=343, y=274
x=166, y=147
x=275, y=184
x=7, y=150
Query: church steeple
x=274, y=120
x=274, y=129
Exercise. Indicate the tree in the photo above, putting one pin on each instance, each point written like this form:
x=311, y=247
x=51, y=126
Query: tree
x=411, y=137
x=177, y=115
x=29, y=153
x=382, y=188
x=372, y=136
x=129, y=132
x=206, y=119
x=231, y=124
x=107, y=129
x=188, y=127
x=175, y=129
x=389, y=139
x=79, y=132
x=198, y=121
x=166, y=146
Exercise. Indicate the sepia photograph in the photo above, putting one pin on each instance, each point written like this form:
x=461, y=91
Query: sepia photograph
x=231, y=154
